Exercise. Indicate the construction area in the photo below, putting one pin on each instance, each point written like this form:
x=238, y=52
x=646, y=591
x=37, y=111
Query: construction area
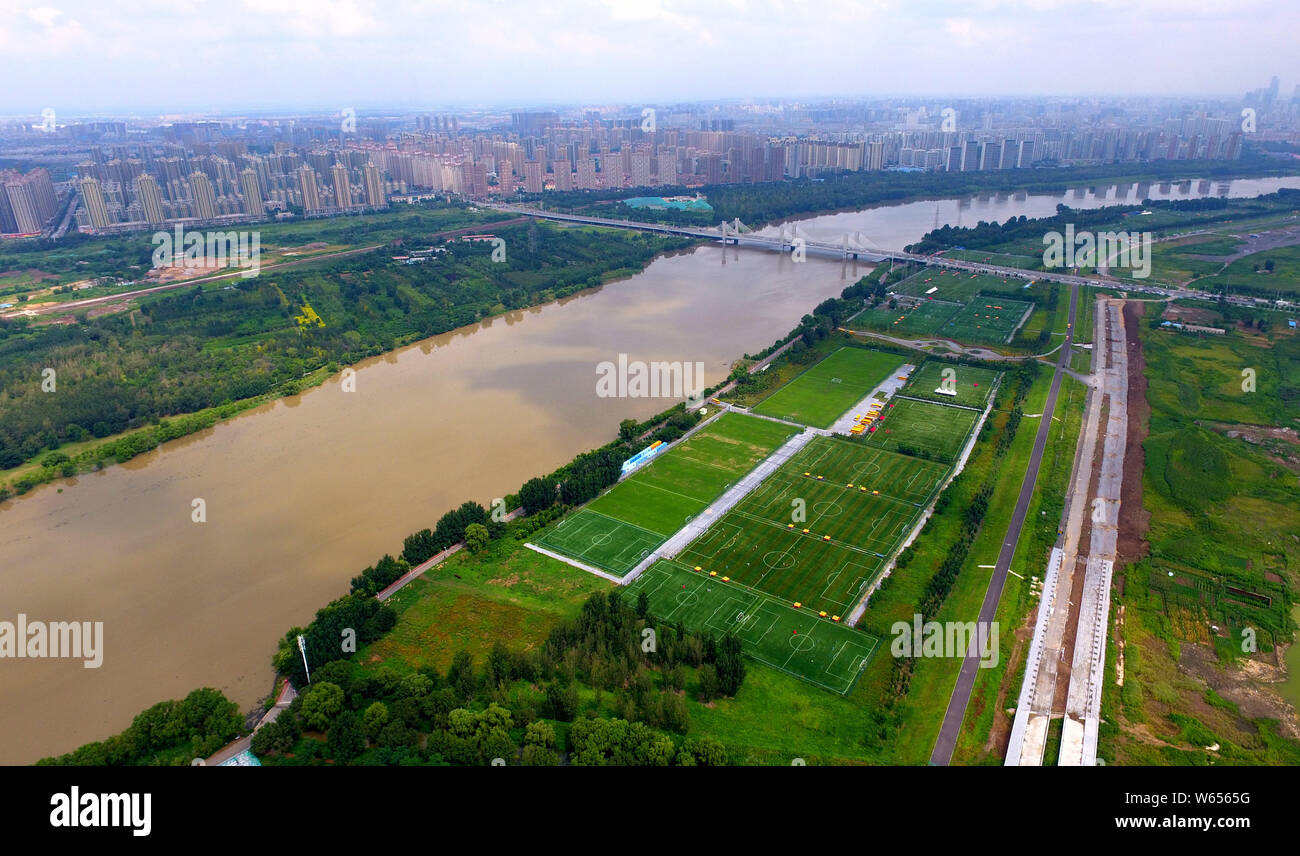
x=1066, y=661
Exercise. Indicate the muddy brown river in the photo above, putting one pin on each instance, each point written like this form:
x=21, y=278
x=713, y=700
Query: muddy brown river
x=303, y=493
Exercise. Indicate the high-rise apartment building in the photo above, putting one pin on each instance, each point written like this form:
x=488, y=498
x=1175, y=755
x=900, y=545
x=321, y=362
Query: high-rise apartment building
x=150, y=198
x=308, y=190
x=92, y=197
x=252, y=189
x=374, y=183
x=342, y=186
x=202, y=197
x=532, y=176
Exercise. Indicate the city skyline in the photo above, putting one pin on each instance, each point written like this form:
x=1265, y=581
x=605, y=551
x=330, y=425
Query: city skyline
x=76, y=58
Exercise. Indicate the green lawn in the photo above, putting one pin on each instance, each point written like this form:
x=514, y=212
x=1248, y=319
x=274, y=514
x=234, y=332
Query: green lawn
x=822, y=393
x=857, y=505
x=938, y=429
x=956, y=286
x=795, y=641
x=593, y=538
x=986, y=318
x=671, y=489
x=970, y=385
x=508, y=593
x=907, y=318
x=620, y=527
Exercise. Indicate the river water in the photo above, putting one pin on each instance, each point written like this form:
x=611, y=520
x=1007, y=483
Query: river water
x=303, y=493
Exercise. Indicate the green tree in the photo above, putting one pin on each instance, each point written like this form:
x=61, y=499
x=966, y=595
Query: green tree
x=321, y=704
x=374, y=719
x=539, y=745
x=461, y=675
x=707, y=682
x=731, y=665
x=477, y=537
x=537, y=495
x=346, y=739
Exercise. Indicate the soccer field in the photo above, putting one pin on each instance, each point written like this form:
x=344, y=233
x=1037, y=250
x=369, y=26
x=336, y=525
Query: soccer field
x=935, y=428
x=609, y=544
x=667, y=492
x=971, y=385
x=796, y=641
x=824, y=391
x=910, y=318
x=987, y=318
x=954, y=285
x=867, y=469
x=619, y=528
x=857, y=504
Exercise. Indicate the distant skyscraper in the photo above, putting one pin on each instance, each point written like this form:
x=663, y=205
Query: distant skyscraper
x=252, y=193
x=990, y=155
x=150, y=197
x=1010, y=148
x=876, y=155
x=205, y=203
x=92, y=197
x=563, y=174
x=342, y=186
x=374, y=181
x=22, y=204
x=532, y=177
x=640, y=170
x=1026, y=158
x=308, y=189
x=667, y=166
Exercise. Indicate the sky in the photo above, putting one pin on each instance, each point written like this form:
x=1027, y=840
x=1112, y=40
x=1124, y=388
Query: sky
x=87, y=57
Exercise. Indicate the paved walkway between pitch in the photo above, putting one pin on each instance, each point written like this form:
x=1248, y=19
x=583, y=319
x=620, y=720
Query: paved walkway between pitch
x=885, y=391
x=729, y=499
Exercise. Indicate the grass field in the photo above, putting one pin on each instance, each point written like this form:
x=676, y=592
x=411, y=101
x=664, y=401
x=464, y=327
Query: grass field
x=908, y=318
x=823, y=392
x=971, y=384
x=1000, y=259
x=673, y=488
x=596, y=539
x=620, y=527
x=795, y=641
x=857, y=504
x=988, y=318
x=953, y=285
x=935, y=428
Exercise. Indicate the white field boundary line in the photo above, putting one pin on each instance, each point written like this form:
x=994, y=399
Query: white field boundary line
x=575, y=563
x=856, y=614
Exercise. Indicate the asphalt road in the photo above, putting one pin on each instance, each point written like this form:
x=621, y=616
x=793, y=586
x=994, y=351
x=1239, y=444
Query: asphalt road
x=956, y=712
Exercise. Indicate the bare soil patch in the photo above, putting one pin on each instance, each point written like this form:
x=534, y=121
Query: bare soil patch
x=1134, y=519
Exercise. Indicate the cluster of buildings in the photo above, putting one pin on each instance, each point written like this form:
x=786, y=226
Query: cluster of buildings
x=133, y=175
x=123, y=187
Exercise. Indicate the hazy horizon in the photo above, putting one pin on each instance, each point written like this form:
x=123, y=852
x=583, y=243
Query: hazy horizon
x=301, y=55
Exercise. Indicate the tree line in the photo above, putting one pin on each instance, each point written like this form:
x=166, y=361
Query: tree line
x=522, y=707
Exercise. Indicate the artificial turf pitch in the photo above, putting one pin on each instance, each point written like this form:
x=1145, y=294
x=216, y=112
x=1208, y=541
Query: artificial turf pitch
x=595, y=539
x=822, y=393
x=938, y=429
x=796, y=641
x=970, y=385
x=857, y=503
x=620, y=527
